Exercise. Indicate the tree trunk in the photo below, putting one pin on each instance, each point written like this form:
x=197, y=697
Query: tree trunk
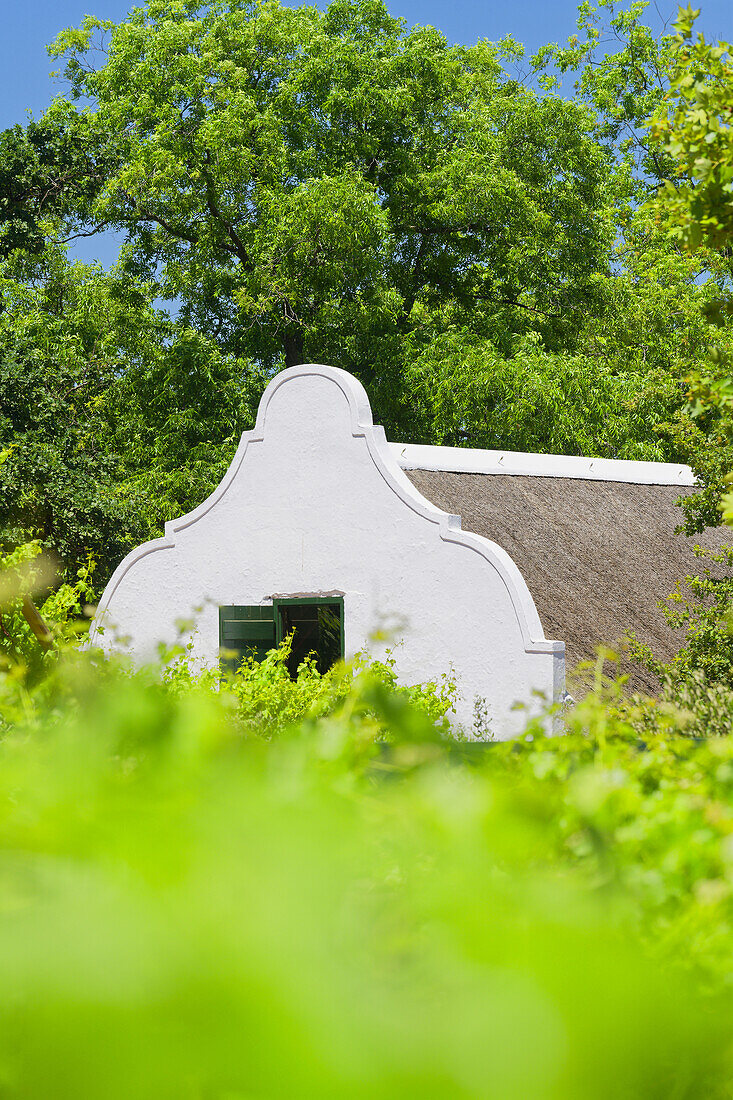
x=293, y=344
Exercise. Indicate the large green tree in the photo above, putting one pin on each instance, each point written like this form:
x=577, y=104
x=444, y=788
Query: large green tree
x=329, y=184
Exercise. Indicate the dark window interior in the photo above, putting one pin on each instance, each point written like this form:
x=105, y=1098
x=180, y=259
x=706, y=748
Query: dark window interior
x=317, y=629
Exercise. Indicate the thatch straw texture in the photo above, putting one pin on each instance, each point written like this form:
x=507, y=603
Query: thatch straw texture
x=597, y=556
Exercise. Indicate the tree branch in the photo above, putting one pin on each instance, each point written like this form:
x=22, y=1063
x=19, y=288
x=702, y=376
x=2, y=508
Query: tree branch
x=148, y=216
x=215, y=211
x=37, y=623
x=76, y=236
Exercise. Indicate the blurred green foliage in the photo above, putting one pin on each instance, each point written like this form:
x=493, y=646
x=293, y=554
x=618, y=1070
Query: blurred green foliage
x=24, y=572
x=311, y=889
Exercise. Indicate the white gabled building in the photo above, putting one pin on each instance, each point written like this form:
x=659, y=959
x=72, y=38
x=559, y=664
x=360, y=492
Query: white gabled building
x=322, y=527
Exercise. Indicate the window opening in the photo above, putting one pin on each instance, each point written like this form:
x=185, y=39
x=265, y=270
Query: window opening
x=317, y=626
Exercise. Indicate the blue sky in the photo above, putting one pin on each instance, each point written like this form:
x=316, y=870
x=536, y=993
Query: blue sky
x=28, y=27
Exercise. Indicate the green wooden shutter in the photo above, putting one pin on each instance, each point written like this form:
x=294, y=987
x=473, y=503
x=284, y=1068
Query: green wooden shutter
x=244, y=631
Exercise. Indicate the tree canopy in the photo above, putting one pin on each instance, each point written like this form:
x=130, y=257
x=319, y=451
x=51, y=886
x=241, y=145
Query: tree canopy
x=316, y=184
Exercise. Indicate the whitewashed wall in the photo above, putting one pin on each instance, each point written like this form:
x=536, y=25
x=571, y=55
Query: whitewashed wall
x=315, y=502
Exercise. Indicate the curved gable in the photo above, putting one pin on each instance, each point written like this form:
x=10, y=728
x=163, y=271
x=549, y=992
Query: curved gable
x=315, y=502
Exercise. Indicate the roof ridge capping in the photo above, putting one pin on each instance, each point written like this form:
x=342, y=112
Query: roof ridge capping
x=468, y=460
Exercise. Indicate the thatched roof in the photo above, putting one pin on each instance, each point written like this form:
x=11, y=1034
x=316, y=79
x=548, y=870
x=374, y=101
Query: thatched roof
x=597, y=556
